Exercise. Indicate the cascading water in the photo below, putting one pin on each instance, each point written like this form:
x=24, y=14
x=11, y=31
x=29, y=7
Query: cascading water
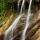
x=9, y=32
x=27, y=21
x=22, y=7
x=19, y=4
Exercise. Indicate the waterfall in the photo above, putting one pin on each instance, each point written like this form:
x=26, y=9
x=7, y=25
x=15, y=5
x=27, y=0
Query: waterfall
x=27, y=21
x=9, y=31
x=19, y=4
x=22, y=6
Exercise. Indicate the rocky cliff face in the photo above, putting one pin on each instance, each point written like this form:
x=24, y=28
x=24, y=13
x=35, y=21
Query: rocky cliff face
x=33, y=32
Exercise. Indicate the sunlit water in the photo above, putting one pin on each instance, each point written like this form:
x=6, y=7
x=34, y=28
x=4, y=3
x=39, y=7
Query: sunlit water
x=22, y=6
x=9, y=31
x=27, y=21
x=19, y=4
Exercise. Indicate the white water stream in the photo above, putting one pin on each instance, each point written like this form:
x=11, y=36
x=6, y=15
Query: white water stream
x=9, y=31
x=22, y=6
x=27, y=21
x=19, y=4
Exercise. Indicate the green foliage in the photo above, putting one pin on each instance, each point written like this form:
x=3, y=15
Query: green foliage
x=2, y=8
x=4, y=4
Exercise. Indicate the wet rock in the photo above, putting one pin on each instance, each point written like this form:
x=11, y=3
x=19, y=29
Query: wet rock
x=33, y=32
x=1, y=36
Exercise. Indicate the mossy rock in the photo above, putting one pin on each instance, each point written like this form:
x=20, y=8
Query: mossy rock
x=6, y=21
